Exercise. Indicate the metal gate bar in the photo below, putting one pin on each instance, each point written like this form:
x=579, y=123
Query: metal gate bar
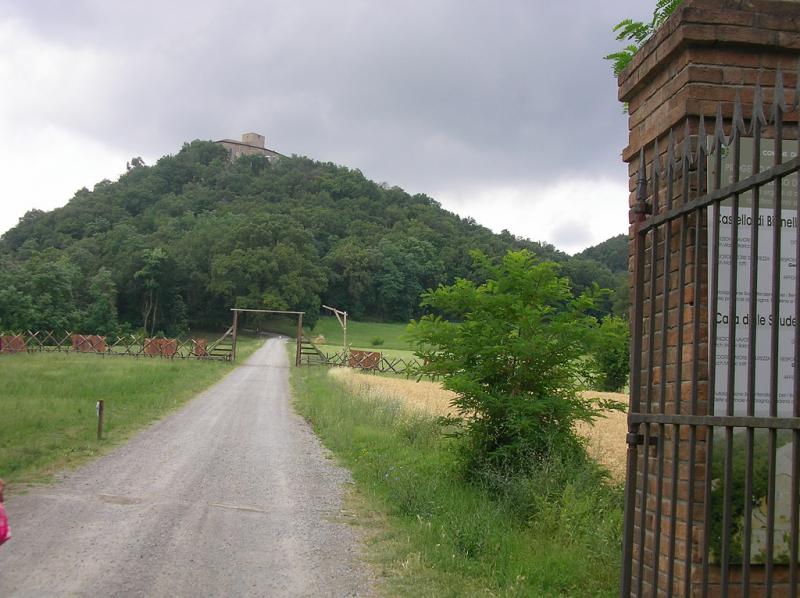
x=673, y=494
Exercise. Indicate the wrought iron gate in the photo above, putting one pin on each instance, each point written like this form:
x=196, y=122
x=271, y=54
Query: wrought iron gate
x=713, y=469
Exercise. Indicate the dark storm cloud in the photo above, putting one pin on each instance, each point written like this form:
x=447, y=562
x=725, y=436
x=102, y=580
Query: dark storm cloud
x=423, y=95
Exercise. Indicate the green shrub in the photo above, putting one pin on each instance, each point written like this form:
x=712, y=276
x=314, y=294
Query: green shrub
x=612, y=353
x=514, y=355
x=376, y=341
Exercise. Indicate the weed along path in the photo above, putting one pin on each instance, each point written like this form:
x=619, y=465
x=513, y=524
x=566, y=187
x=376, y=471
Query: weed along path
x=230, y=496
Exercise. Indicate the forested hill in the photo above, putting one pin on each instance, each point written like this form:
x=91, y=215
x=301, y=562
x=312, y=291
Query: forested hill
x=175, y=245
x=612, y=253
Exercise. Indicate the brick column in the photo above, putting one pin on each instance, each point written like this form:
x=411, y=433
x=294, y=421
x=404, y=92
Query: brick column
x=706, y=52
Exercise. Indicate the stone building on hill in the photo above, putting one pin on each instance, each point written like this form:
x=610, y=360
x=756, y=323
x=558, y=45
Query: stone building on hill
x=252, y=144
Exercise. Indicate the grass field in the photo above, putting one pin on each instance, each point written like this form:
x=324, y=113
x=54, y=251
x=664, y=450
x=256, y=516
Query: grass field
x=554, y=533
x=360, y=335
x=48, y=402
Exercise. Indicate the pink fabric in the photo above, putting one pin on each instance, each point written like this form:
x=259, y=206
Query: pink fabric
x=4, y=533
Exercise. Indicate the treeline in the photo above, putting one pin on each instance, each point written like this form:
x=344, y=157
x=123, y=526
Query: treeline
x=173, y=246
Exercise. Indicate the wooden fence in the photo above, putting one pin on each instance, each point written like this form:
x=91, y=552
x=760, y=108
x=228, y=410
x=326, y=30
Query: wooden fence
x=130, y=345
x=368, y=361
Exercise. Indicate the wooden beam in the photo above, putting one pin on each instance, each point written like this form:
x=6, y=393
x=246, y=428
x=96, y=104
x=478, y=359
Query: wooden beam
x=299, y=339
x=268, y=311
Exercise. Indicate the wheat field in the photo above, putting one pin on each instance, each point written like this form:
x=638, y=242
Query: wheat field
x=605, y=438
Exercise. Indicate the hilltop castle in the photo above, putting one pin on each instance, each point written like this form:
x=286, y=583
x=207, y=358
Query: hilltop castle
x=252, y=144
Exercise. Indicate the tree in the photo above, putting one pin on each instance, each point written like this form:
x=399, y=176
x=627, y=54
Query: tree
x=352, y=264
x=51, y=280
x=151, y=276
x=101, y=316
x=589, y=275
x=513, y=352
x=406, y=267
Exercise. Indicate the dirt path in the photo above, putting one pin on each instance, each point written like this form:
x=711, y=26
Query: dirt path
x=230, y=496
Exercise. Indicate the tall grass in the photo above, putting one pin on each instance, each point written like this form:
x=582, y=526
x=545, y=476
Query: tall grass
x=551, y=531
x=47, y=404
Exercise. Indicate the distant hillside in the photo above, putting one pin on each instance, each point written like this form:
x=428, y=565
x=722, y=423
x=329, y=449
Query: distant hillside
x=175, y=245
x=612, y=253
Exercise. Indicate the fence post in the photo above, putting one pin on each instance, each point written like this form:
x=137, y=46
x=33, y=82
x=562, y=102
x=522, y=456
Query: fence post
x=235, y=329
x=100, y=413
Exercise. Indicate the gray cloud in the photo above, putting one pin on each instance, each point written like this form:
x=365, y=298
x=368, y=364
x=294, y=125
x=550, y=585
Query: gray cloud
x=428, y=96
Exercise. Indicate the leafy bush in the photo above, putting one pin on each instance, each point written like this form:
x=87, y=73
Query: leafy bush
x=376, y=341
x=514, y=357
x=612, y=353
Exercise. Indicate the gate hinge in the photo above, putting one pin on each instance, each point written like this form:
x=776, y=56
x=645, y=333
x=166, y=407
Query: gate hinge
x=633, y=439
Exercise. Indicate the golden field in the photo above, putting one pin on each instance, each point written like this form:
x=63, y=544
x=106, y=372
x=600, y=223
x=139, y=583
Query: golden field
x=606, y=438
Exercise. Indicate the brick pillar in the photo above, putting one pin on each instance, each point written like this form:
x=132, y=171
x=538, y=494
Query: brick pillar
x=702, y=55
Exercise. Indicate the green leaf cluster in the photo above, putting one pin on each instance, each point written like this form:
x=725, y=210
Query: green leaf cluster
x=638, y=33
x=513, y=350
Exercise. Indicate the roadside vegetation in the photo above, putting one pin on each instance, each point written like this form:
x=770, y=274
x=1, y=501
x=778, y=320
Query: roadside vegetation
x=604, y=438
x=493, y=493
x=437, y=530
x=48, y=404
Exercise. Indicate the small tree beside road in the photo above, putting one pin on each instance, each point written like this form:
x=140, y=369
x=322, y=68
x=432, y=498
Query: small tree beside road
x=514, y=350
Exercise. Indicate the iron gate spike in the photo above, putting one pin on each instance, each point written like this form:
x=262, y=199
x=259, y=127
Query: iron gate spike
x=686, y=150
x=658, y=173
x=641, y=180
x=657, y=162
x=738, y=127
x=670, y=156
x=758, y=109
x=719, y=131
x=779, y=96
x=702, y=142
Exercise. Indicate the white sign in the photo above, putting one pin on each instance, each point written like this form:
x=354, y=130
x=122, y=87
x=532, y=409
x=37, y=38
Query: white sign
x=761, y=292
x=737, y=332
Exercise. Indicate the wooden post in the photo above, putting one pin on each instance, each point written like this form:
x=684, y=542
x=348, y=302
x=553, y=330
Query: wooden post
x=345, y=335
x=299, y=339
x=342, y=322
x=235, y=327
x=100, y=412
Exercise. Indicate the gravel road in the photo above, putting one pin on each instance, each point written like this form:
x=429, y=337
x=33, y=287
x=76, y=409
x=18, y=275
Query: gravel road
x=232, y=495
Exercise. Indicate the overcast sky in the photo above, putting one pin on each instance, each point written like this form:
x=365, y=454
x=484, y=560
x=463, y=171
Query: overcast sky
x=501, y=110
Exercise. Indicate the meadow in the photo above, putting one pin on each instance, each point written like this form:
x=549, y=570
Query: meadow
x=552, y=532
x=386, y=337
x=48, y=403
